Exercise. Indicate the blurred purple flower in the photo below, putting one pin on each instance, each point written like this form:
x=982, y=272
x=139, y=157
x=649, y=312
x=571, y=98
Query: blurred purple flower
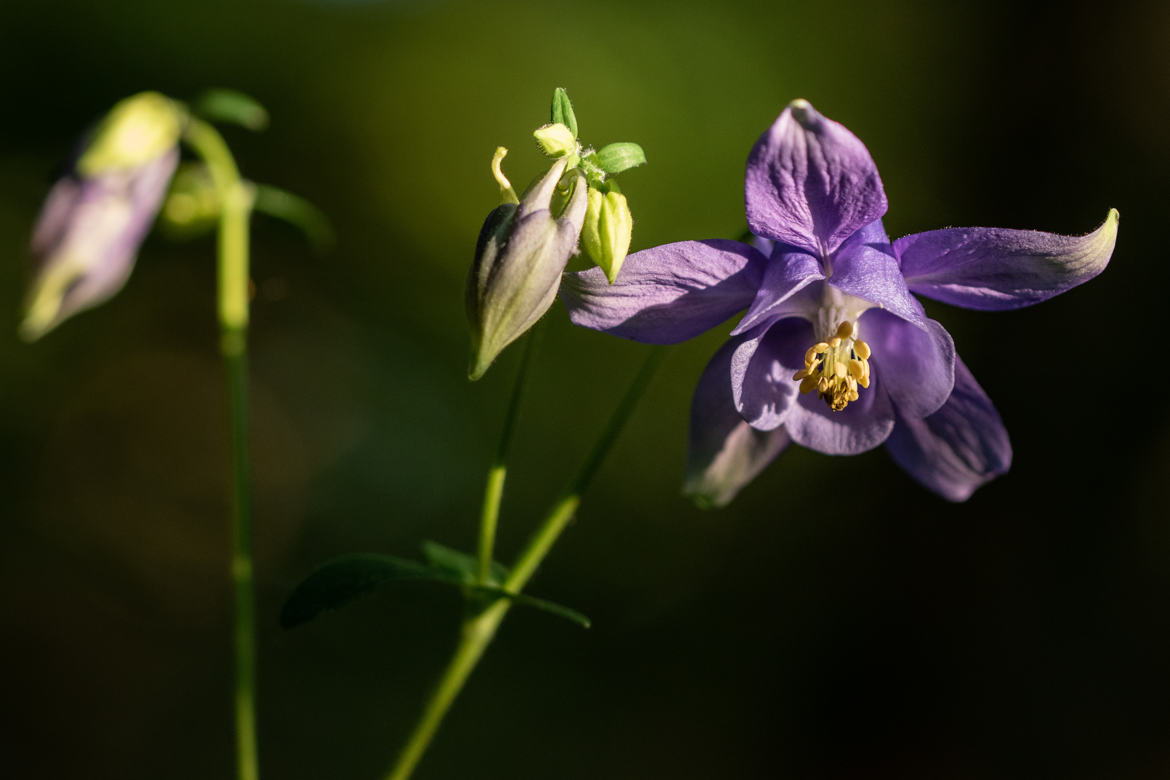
x=834, y=352
x=97, y=215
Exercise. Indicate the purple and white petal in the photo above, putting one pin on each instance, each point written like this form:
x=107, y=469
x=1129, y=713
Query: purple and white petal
x=917, y=365
x=786, y=274
x=862, y=425
x=762, y=388
x=866, y=267
x=958, y=448
x=994, y=269
x=724, y=452
x=667, y=294
x=810, y=182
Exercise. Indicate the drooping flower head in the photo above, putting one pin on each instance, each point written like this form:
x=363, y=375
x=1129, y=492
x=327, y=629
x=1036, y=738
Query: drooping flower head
x=98, y=214
x=834, y=352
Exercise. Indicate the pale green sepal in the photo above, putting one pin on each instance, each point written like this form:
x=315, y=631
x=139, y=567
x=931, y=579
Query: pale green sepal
x=618, y=157
x=137, y=130
x=562, y=111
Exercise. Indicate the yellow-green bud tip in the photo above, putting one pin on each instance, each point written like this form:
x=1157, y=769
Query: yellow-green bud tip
x=136, y=131
x=556, y=140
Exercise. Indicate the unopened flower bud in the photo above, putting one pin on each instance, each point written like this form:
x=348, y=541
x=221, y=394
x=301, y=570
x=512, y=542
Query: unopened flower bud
x=521, y=253
x=96, y=217
x=192, y=204
x=556, y=140
x=608, y=228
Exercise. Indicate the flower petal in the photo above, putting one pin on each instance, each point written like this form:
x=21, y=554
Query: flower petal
x=994, y=269
x=810, y=182
x=724, y=453
x=667, y=294
x=762, y=388
x=917, y=365
x=786, y=274
x=959, y=447
x=861, y=426
x=867, y=268
x=87, y=238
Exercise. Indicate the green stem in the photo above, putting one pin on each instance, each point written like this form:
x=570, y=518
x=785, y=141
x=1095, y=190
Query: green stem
x=493, y=492
x=236, y=198
x=480, y=628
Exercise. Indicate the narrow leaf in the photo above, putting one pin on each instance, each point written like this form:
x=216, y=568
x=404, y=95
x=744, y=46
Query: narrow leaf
x=351, y=577
x=227, y=105
x=550, y=607
x=345, y=579
x=615, y=158
x=562, y=110
x=465, y=566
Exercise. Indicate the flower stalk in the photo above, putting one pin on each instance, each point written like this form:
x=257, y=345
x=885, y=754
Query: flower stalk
x=480, y=627
x=498, y=472
x=237, y=198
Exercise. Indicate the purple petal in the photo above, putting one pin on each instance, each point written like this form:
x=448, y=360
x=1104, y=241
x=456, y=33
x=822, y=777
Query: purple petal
x=667, y=294
x=917, y=365
x=993, y=269
x=786, y=274
x=87, y=237
x=959, y=447
x=725, y=453
x=866, y=267
x=762, y=388
x=810, y=182
x=861, y=426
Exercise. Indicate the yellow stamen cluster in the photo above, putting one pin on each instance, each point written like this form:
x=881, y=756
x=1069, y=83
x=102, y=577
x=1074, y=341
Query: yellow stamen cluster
x=835, y=368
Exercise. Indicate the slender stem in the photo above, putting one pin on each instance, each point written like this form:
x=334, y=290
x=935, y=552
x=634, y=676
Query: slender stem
x=480, y=628
x=236, y=198
x=493, y=492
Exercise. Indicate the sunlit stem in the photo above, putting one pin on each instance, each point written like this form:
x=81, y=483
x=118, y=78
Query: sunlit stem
x=493, y=492
x=236, y=198
x=479, y=629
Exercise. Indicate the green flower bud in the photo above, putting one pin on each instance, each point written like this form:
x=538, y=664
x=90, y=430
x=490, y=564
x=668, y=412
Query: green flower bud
x=137, y=130
x=192, y=205
x=556, y=140
x=521, y=253
x=609, y=225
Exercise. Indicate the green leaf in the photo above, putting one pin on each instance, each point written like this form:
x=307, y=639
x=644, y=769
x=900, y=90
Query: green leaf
x=350, y=577
x=297, y=212
x=465, y=566
x=562, y=110
x=550, y=607
x=227, y=105
x=615, y=158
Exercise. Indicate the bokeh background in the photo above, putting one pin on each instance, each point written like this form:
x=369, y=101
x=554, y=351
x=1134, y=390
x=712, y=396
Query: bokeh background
x=836, y=621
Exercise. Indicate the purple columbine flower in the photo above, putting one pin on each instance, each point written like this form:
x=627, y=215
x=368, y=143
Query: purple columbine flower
x=834, y=352
x=98, y=214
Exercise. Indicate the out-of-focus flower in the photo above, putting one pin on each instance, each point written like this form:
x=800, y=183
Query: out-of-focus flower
x=96, y=216
x=519, y=258
x=834, y=352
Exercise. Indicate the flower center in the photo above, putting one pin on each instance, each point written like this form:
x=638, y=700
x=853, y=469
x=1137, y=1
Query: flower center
x=836, y=367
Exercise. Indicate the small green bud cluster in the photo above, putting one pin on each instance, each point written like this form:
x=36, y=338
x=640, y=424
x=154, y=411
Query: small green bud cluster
x=525, y=244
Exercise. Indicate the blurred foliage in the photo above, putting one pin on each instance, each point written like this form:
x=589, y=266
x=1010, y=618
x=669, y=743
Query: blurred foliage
x=835, y=622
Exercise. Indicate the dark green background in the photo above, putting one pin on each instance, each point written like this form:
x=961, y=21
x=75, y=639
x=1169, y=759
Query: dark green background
x=837, y=621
